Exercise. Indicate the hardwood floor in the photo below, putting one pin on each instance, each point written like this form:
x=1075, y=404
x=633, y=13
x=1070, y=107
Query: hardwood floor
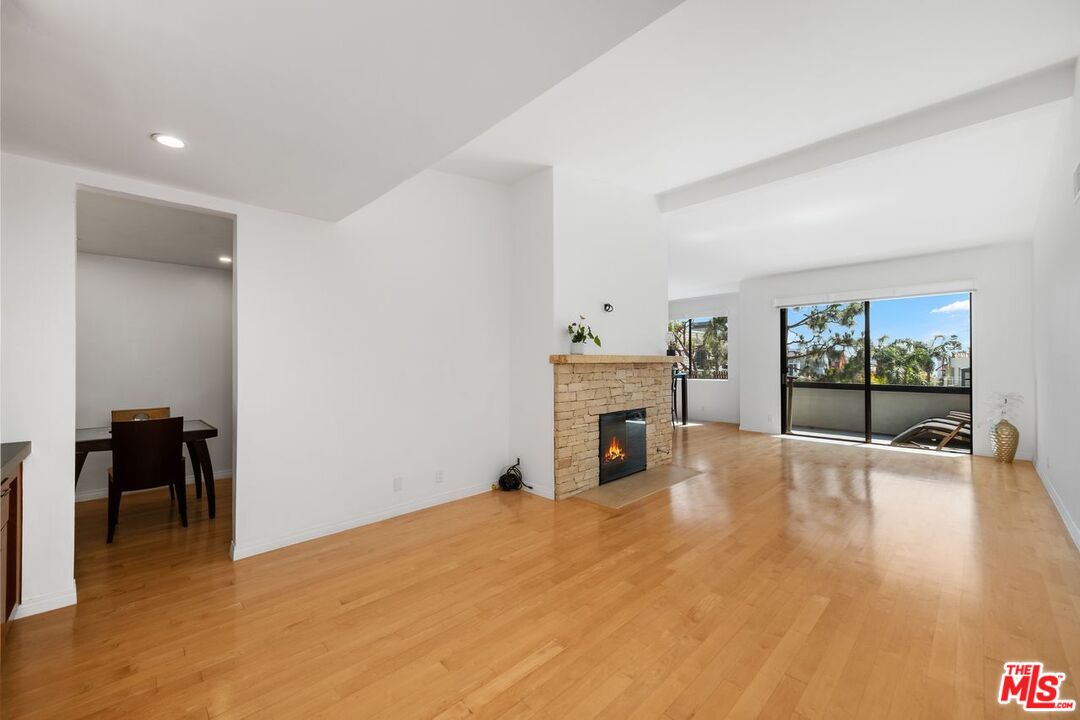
x=791, y=578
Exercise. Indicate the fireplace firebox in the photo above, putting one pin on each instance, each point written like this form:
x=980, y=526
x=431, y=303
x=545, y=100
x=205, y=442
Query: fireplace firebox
x=622, y=444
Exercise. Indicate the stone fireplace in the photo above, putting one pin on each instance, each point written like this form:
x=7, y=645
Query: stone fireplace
x=633, y=393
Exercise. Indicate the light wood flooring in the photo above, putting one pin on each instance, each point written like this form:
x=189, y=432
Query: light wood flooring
x=789, y=579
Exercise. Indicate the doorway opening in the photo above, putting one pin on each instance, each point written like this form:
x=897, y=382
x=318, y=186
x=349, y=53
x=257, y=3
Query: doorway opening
x=154, y=343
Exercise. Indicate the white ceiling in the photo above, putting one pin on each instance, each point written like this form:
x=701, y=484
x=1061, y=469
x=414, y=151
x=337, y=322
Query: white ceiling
x=717, y=91
x=329, y=105
x=969, y=187
x=311, y=107
x=716, y=85
x=124, y=226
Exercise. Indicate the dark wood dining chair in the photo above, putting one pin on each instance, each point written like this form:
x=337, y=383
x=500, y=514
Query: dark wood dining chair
x=194, y=447
x=146, y=454
x=154, y=413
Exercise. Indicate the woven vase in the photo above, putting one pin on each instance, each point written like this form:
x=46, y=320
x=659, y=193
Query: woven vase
x=1005, y=438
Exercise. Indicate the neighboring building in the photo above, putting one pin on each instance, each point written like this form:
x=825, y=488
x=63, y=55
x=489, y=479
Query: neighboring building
x=957, y=371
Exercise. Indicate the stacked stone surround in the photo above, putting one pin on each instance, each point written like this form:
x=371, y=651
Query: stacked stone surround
x=587, y=386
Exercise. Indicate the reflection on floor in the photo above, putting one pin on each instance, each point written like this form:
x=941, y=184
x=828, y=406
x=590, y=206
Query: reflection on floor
x=858, y=437
x=787, y=579
x=149, y=531
x=877, y=438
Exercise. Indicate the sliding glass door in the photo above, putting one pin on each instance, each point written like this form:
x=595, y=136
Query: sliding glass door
x=887, y=371
x=825, y=376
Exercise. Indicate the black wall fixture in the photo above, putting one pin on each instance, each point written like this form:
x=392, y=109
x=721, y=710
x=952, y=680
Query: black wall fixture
x=608, y=307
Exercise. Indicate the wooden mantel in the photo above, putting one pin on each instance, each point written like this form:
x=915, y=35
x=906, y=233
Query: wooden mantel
x=611, y=359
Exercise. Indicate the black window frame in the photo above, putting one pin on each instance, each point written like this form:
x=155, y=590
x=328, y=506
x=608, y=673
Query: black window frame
x=866, y=386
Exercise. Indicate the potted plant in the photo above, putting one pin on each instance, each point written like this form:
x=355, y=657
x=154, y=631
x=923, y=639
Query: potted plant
x=1003, y=434
x=579, y=334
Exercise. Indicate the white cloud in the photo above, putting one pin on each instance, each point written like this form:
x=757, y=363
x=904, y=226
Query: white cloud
x=958, y=306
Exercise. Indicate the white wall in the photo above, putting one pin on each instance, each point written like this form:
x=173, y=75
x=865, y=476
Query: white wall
x=713, y=400
x=371, y=349
x=532, y=312
x=333, y=396
x=577, y=243
x=1001, y=327
x=149, y=334
x=37, y=367
x=328, y=386
x=609, y=249
x=1057, y=309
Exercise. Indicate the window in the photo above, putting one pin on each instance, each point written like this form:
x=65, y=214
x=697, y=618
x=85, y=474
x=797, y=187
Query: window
x=701, y=344
x=920, y=341
x=895, y=371
x=825, y=343
x=923, y=341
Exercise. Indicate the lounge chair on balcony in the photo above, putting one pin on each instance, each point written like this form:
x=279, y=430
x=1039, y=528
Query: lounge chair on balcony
x=937, y=433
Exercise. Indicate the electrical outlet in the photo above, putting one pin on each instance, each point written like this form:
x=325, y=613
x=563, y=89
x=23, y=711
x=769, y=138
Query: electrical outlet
x=438, y=476
x=399, y=483
x=772, y=419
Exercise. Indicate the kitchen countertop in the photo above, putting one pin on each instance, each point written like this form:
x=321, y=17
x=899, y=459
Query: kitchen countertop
x=11, y=454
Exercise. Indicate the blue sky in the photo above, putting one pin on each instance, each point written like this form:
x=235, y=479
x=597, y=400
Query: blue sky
x=921, y=318
x=918, y=318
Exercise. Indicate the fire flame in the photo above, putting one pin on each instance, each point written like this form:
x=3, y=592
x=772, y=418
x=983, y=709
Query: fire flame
x=614, y=451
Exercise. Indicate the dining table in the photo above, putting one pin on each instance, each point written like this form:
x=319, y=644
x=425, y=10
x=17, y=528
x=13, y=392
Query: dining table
x=196, y=433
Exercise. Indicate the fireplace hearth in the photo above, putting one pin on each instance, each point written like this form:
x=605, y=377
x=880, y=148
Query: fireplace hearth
x=623, y=448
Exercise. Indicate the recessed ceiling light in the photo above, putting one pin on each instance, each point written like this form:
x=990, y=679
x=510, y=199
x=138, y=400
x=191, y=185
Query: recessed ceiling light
x=225, y=259
x=169, y=141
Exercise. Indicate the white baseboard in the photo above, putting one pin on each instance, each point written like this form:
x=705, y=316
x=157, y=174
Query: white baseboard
x=45, y=603
x=1070, y=524
x=240, y=552
x=547, y=491
x=98, y=493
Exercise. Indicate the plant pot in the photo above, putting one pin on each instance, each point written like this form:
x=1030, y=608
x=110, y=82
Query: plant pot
x=1005, y=438
x=577, y=348
x=671, y=352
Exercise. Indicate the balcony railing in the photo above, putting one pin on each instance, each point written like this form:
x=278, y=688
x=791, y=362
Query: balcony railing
x=841, y=408
x=721, y=374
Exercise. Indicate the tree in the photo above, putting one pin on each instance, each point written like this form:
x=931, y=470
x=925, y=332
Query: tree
x=702, y=345
x=681, y=342
x=912, y=362
x=823, y=344
x=710, y=347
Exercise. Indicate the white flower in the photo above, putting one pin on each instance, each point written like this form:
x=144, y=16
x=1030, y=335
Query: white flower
x=581, y=316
